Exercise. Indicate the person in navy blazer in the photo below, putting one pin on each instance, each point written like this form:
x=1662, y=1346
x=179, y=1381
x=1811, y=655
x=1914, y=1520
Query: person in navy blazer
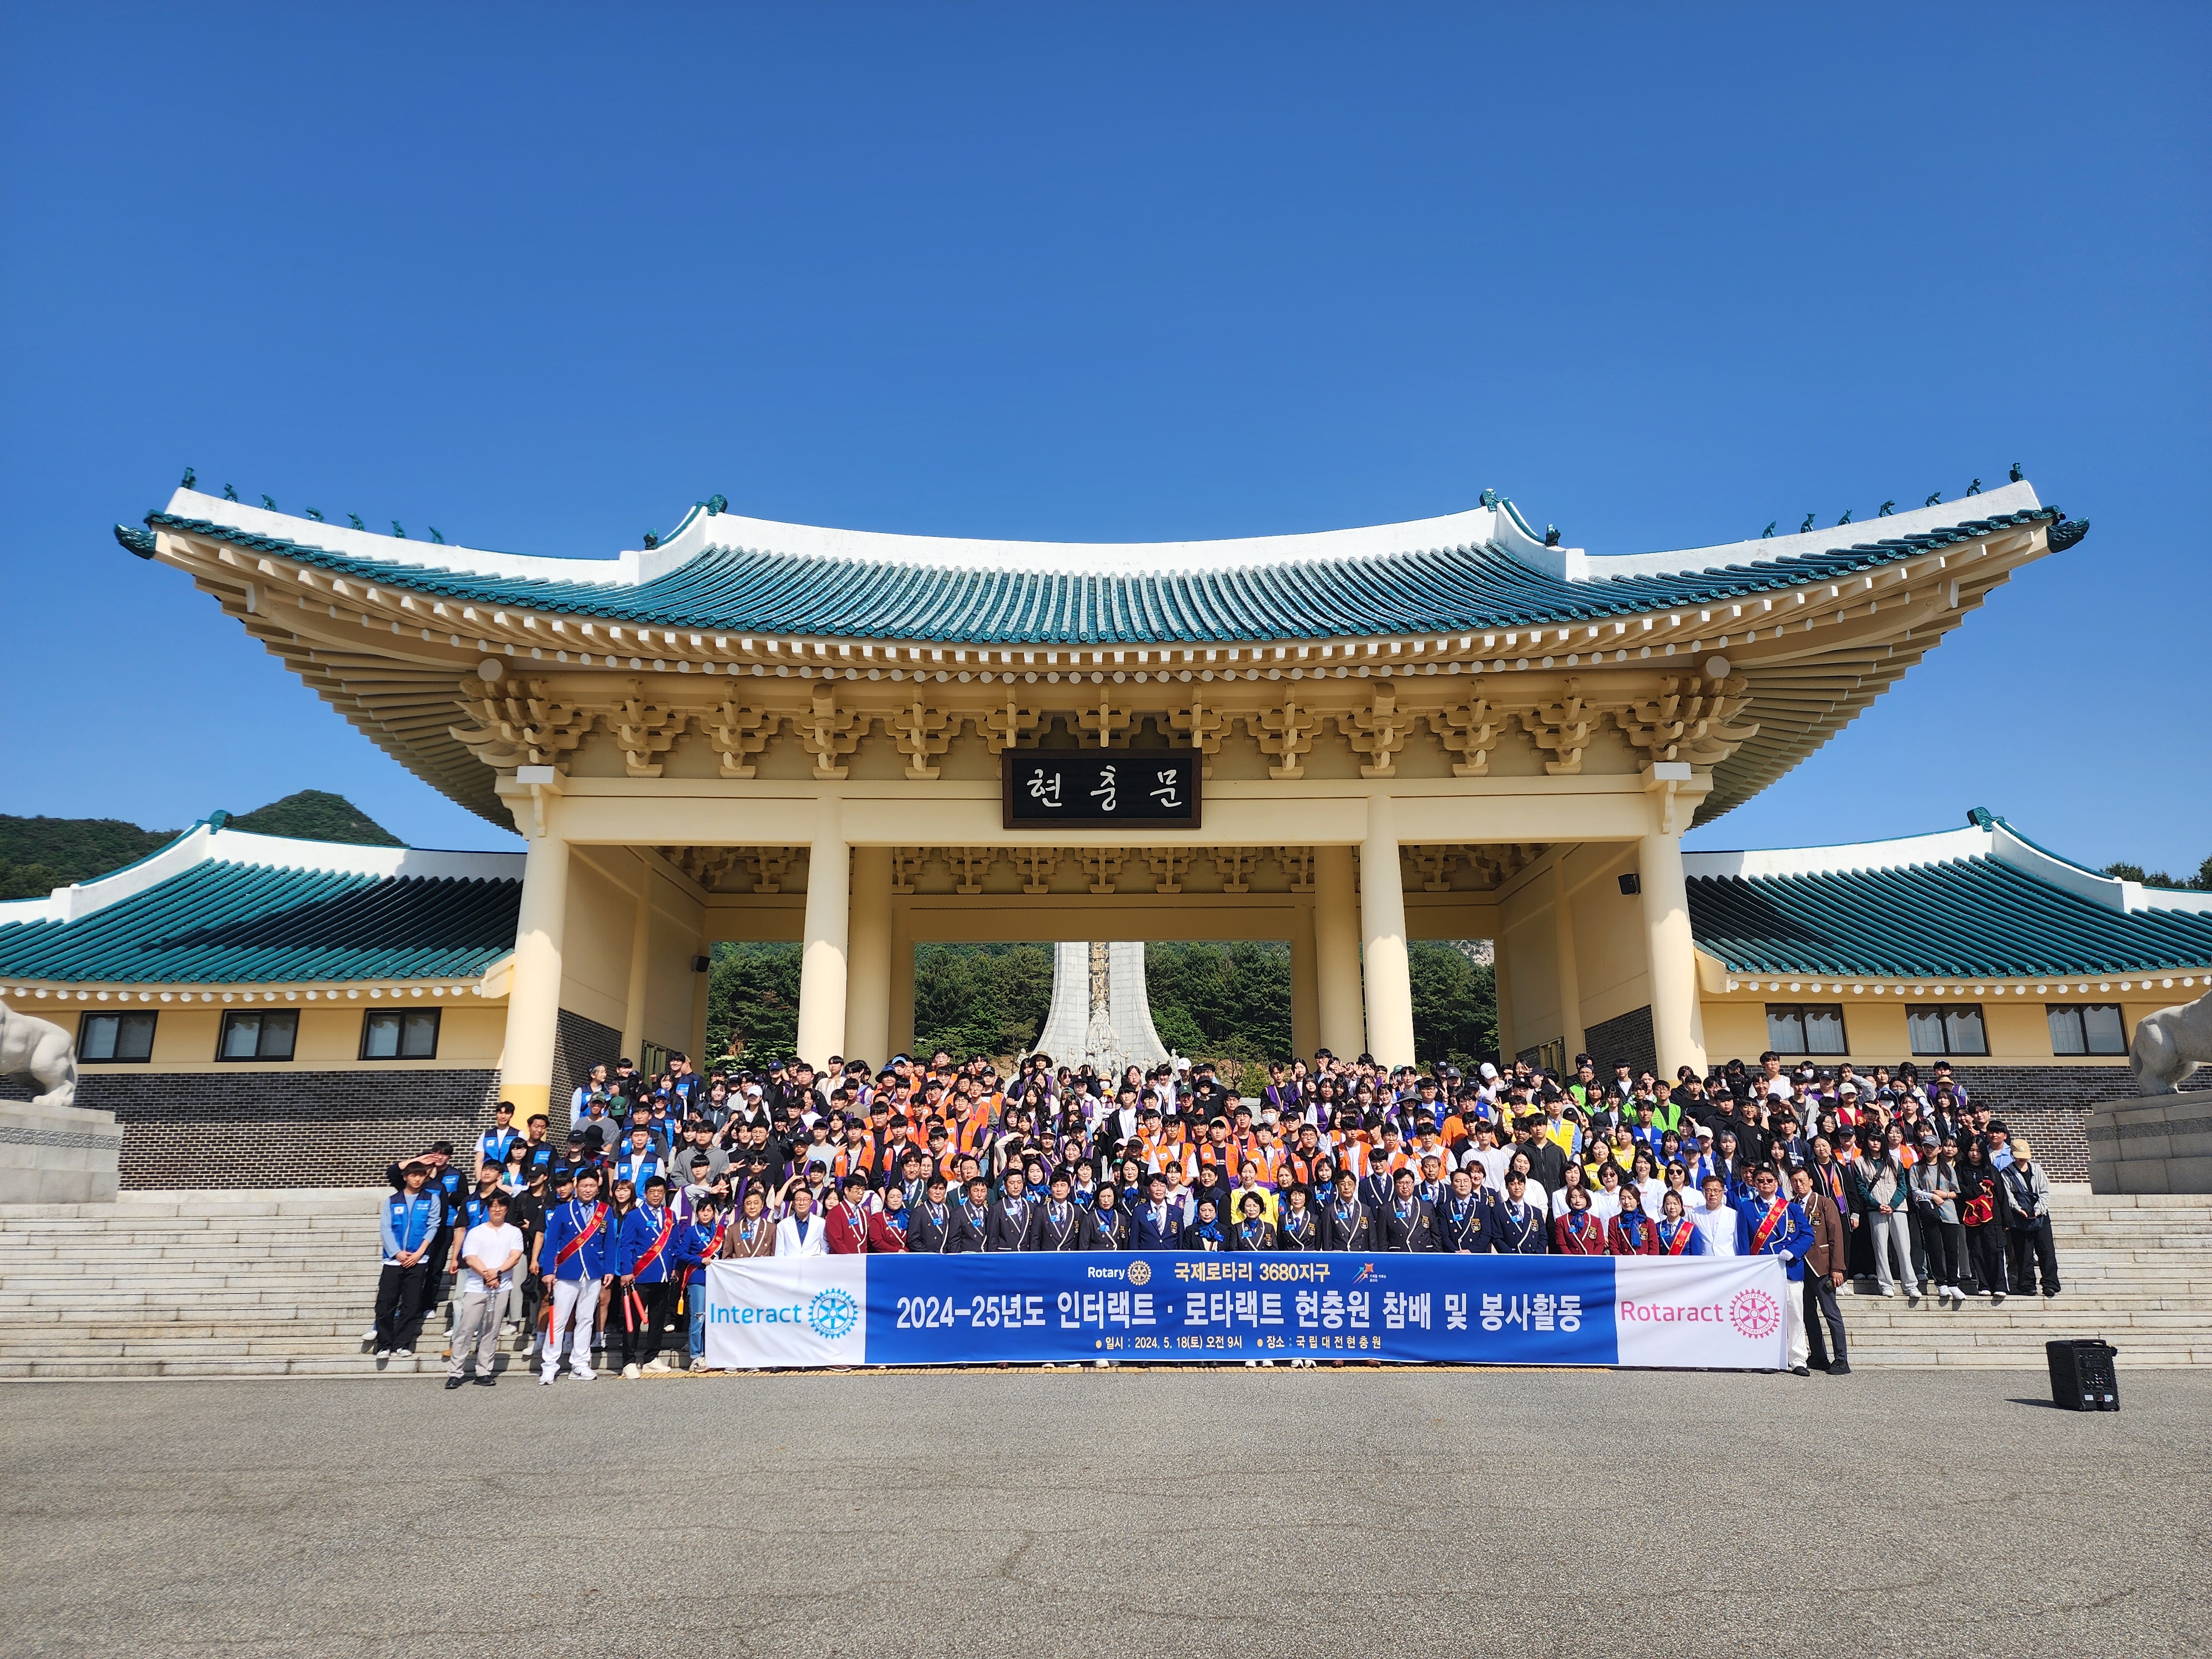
x=1157, y=1224
x=1523, y=1229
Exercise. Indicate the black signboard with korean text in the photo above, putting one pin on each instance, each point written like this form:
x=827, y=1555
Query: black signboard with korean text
x=1091, y=787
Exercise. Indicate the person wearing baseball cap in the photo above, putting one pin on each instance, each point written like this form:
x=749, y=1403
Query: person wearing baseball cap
x=649, y=1278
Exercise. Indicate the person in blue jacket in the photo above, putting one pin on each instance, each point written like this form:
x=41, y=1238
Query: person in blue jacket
x=576, y=1258
x=408, y=1228
x=1769, y=1224
x=650, y=1276
x=696, y=1246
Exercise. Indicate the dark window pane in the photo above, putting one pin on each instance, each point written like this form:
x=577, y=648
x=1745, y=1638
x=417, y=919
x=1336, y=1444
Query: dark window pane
x=96, y=1037
x=1924, y=1027
x=419, y=1041
x=380, y=1037
x=2065, y=1031
x=1824, y=1029
x=2102, y=1031
x=1785, y=1027
x=241, y=1036
x=278, y=1033
x=1962, y=1031
x=134, y=1036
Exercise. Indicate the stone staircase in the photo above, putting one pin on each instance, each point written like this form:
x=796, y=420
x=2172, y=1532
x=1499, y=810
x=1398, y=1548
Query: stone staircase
x=281, y=1283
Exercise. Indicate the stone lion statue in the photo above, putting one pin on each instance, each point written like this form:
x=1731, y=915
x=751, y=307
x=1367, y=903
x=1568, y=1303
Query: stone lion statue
x=2170, y=1044
x=41, y=1050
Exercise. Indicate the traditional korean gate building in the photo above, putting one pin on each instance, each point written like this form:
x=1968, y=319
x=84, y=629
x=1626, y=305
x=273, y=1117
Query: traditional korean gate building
x=777, y=734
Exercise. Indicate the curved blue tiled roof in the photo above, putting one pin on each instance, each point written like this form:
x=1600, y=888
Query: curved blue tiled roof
x=1444, y=590
x=218, y=923
x=1964, y=918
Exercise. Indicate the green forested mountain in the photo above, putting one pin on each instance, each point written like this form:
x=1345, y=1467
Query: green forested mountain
x=38, y=854
x=1230, y=1003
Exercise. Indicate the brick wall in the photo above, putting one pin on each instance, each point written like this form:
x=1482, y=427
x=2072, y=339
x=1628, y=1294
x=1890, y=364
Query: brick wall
x=1625, y=1036
x=2050, y=1105
x=296, y=1129
x=579, y=1044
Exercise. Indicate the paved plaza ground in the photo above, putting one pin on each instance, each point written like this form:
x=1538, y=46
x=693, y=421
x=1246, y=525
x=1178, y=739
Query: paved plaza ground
x=1096, y=1515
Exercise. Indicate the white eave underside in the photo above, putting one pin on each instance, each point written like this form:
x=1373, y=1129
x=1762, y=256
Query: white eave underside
x=1490, y=527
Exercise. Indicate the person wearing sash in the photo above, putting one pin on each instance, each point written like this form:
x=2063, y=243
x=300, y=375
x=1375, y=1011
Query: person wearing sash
x=696, y=1245
x=1677, y=1234
x=1523, y=1229
x=1106, y=1223
x=1346, y=1223
x=1630, y=1231
x=1408, y=1224
x=1059, y=1220
x=929, y=1223
x=751, y=1232
x=650, y=1278
x=848, y=1218
x=1157, y=1225
x=1297, y=1223
x=1464, y=1225
x=577, y=1245
x=1825, y=1266
x=1769, y=1224
x=1205, y=1233
x=1253, y=1231
x=1578, y=1232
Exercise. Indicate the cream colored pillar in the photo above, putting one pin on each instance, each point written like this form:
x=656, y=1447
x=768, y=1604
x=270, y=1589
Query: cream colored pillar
x=1506, y=1046
x=1676, y=1029
x=822, y=945
x=868, y=981
x=1337, y=1002
x=1305, y=995
x=902, y=982
x=640, y=947
x=1386, y=973
x=1571, y=985
x=534, y=999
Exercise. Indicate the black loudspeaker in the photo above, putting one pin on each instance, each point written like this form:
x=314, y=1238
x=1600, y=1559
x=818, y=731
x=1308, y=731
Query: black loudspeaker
x=2081, y=1374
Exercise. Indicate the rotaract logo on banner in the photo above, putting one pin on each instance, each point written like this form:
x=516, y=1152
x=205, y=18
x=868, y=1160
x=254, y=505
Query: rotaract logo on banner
x=832, y=1314
x=1754, y=1314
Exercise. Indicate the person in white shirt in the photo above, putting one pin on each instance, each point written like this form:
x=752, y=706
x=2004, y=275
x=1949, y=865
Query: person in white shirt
x=490, y=1251
x=1605, y=1197
x=1716, y=1220
x=1491, y=1159
x=802, y=1232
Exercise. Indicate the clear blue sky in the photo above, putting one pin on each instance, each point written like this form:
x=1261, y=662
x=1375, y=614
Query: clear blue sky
x=542, y=276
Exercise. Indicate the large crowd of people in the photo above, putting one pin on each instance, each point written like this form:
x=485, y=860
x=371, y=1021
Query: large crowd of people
x=596, y=1240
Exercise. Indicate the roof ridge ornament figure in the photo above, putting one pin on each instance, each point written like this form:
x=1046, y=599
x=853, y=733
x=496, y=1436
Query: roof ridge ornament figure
x=1934, y=496
x=717, y=504
x=1975, y=488
x=358, y=524
x=1845, y=520
x=1806, y=528
x=651, y=540
x=1886, y=510
x=268, y=501
x=2016, y=475
x=1488, y=498
x=1768, y=531
x=316, y=514
x=230, y=492
x=1550, y=535
x=399, y=529
x=191, y=478
x=436, y=536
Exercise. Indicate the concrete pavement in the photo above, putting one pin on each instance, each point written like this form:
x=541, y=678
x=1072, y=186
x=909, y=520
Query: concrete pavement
x=1093, y=1514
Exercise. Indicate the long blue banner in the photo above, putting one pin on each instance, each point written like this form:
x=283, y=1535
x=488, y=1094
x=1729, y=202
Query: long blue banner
x=1155, y=1307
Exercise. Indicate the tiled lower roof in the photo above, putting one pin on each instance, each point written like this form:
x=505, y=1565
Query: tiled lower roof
x=222, y=923
x=1438, y=590
x=1960, y=918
